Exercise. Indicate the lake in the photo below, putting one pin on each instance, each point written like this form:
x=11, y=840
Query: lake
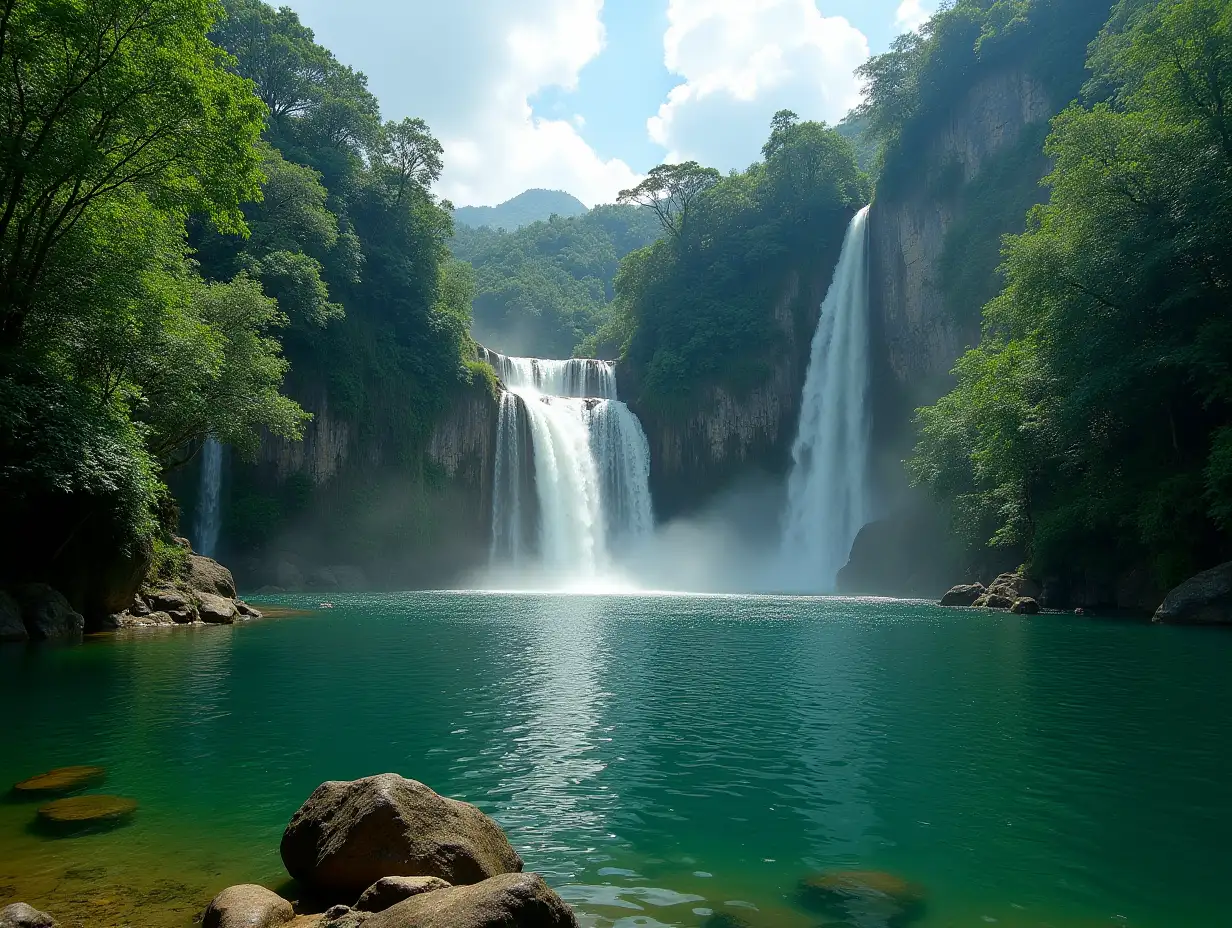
x=661, y=760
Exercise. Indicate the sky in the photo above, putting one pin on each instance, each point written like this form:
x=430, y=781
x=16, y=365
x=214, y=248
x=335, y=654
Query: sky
x=587, y=95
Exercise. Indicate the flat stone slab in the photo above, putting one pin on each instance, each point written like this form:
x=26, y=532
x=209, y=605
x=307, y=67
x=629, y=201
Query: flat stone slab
x=61, y=780
x=87, y=810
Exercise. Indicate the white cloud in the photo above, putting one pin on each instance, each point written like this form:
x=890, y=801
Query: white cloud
x=912, y=14
x=743, y=60
x=470, y=68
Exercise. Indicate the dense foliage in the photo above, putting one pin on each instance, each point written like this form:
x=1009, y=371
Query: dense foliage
x=546, y=288
x=697, y=307
x=185, y=191
x=121, y=119
x=1093, y=424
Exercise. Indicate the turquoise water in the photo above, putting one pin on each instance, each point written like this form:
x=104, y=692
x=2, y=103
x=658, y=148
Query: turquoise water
x=661, y=760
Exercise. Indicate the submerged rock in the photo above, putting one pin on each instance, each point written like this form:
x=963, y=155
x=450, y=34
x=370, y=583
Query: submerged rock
x=1204, y=599
x=965, y=594
x=511, y=900
x=20, y=915
x=12, y=628
x=61, y=780
x=46, y=613
x=391, y=890
x=348, y=835
x=865, y=897
x=87, y=811
x=247, y=906
x=1025, y=606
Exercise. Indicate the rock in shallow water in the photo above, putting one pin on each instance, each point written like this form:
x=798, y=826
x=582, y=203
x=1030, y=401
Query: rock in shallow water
x=1025, y=606
x=511, y=900
x=348, y=835
x=60, y=780
x=965, y=594
x=46, y=613
x=216, y=610
x=20, y=915
x=87, y=810
x=992, y=600
x=865, y=897
x=247, y=906
x=394, y=889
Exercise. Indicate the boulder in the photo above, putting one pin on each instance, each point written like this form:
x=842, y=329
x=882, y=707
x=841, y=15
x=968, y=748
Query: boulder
x=1204, y=599
x=1015, y=586
x=992, y=600
x=20, y=915
x=1025, y=606
x=206, y=575
x=350, y=834
x=511, y=900
x=246, y=610
x=391, y=890
x=341, y=916
x=60, y=781
x=12, y=628
x=216, y=610
x=247, y=906
x=87, y=810
x=965, y=594
x=139, y=607
x=174, y=602
x=46, y=613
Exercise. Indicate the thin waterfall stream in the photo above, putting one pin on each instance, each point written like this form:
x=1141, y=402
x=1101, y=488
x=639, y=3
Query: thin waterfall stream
x=208, y=522
x=828, y=495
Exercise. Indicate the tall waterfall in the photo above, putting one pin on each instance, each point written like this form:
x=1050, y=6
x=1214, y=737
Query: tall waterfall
x=209, y=499
x=572, y=468
x=827, y=491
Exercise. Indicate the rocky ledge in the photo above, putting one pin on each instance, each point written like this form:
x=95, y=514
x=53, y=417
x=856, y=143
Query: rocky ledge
x=1009, y=591
x=204, y=594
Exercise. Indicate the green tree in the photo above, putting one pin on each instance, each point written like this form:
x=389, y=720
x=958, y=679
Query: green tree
x=671, y=191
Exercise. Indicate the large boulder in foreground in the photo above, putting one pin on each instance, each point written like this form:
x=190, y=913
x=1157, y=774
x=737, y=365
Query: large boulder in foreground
x=247, y=906
x=20, y=915
x=965, y=594
x=1204, y=599
x=512, y=900
x=46, y=613
x=349, y=834
x=216, y=610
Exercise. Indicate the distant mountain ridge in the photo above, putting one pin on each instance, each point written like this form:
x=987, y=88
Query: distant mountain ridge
x=527, y=207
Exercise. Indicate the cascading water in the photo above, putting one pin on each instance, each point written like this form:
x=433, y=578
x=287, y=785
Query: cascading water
x=209, y=500
x=827, y=491
x=587, y=494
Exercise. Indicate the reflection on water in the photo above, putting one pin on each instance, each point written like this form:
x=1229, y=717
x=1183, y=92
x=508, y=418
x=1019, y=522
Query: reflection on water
x=663, y=760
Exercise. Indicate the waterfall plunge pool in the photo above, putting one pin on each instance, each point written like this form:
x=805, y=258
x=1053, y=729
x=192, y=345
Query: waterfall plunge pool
x=662, y=760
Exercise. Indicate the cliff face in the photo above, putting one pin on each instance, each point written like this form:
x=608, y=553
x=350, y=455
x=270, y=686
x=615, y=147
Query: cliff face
x=722, y=435
x=918, y=336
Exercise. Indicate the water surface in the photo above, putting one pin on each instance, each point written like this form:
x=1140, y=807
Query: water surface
x=661, y=760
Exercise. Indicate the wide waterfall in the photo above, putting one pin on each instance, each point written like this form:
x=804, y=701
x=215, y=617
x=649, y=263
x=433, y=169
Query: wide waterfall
x=572, y=470
x=209, y=499
x=828, y=489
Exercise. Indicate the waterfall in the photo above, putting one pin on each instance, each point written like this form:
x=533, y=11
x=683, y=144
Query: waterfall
x=827, y=490
x=209, y=502
x=587, y=495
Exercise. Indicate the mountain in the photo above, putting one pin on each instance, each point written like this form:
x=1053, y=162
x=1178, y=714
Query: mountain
x=527, y=207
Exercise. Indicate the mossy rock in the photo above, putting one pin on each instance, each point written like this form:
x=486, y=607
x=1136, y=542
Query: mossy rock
x=86, y=812
x=59, y=781
x=864, y=896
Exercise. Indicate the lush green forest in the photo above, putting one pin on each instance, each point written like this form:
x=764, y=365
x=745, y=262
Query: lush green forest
x=195, y=197
x=696, y=307
x=527, y=207
x=1090, y=428
x=546, y=288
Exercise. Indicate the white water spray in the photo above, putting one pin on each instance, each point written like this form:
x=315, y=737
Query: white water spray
x=209, y=500
x=827, y=492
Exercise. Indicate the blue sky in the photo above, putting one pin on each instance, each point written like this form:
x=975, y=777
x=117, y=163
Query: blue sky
x=586, y=95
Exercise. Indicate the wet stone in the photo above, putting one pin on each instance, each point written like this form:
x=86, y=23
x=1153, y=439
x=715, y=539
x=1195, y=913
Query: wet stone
x=85, y=811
